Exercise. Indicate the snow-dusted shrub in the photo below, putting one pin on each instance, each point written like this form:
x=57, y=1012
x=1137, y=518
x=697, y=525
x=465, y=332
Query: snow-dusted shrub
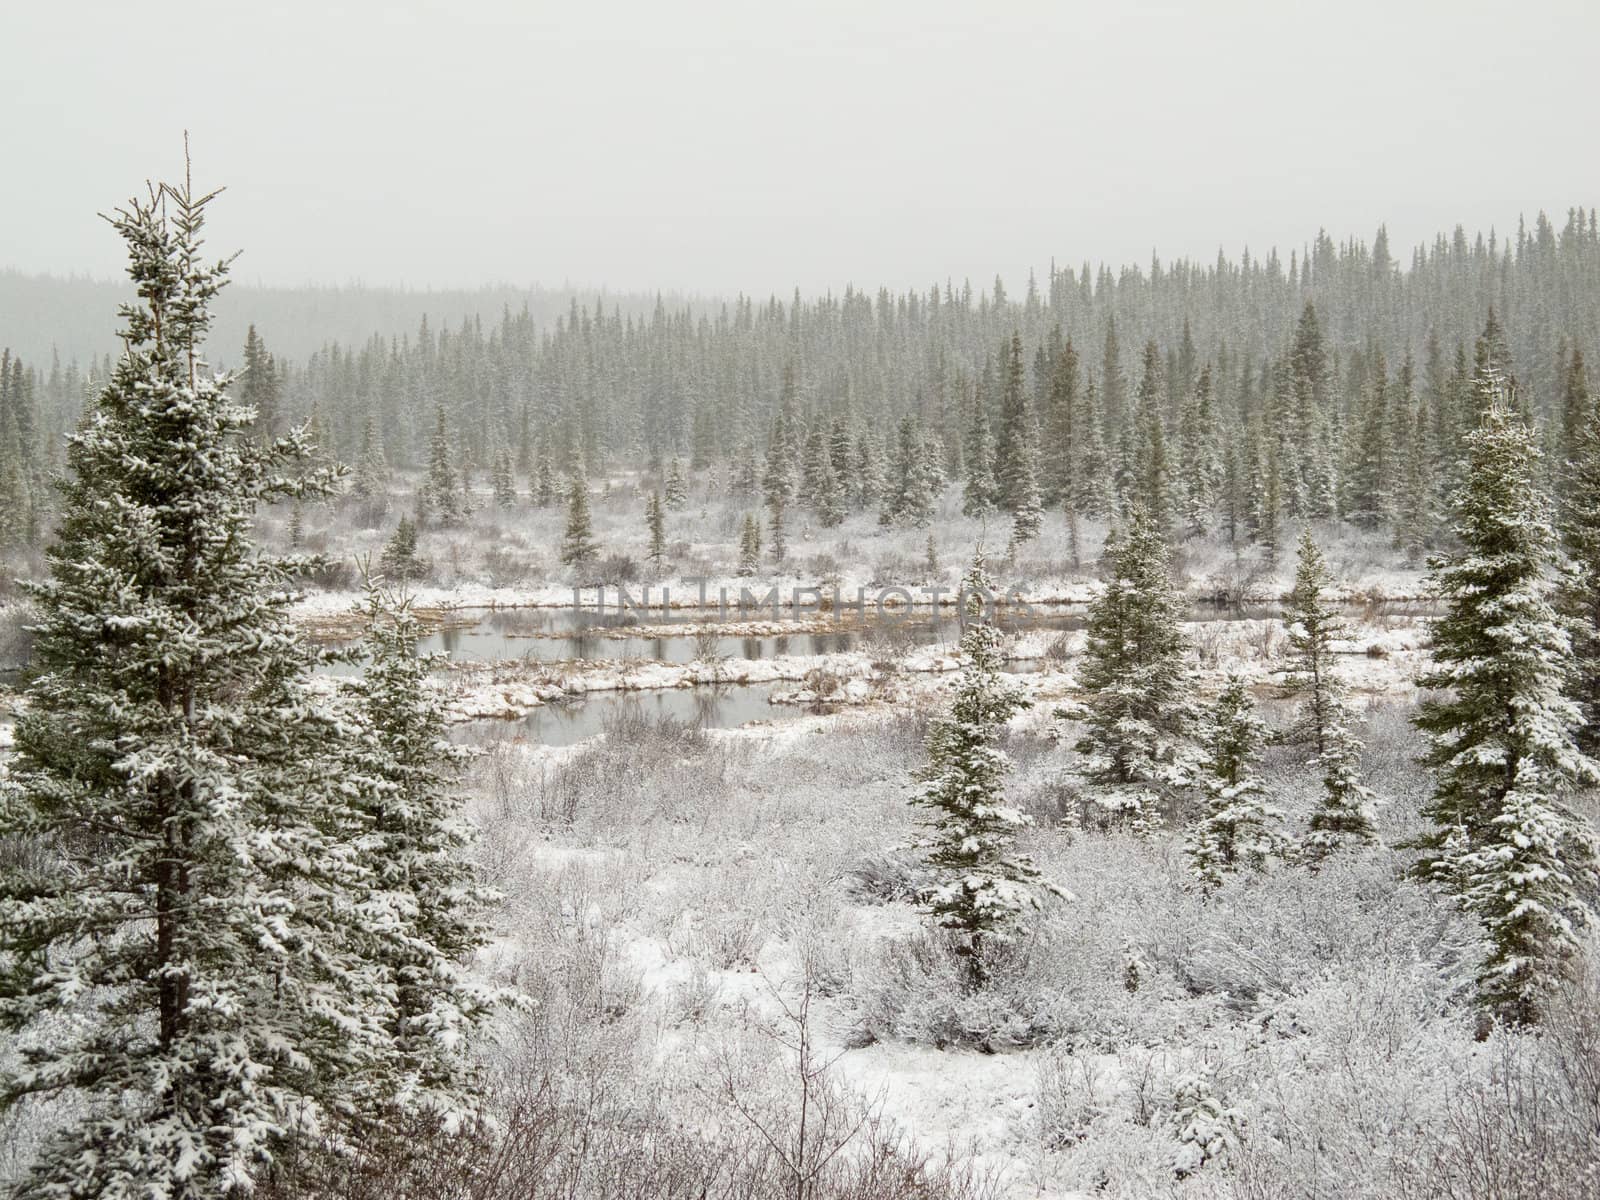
x=1055, y=984
x=502, y=568
x=1073, y=1092
x=1209, y=1130
x=888, y=876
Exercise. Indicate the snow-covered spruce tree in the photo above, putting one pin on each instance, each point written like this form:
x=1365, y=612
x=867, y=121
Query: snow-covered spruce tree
x=1502, y=738
x=439, y=491
x=426, y=907
x=545, y=490
x=676, y=489
x=1237, y=828
x=1323, y=718
x=655, y=519
x=1312, y=624
x=829, y=495
x=980, y=490
x=1136, y=749
x=778, y=528
x=504, y=481
x=749, y=545
x=1579, y=596
x=188, y=973
x=370, y=482
x=578, y=547
x=399, y=563
x=1344, y=815
x=984, y=887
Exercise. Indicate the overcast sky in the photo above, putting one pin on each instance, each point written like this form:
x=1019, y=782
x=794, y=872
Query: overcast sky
x=756, y=145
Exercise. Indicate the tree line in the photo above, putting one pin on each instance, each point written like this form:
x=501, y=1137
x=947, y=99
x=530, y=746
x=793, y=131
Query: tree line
x=1225, y=396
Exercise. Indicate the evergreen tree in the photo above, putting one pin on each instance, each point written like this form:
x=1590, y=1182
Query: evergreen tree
x=869, y=471
x=829, y=495
x=1374, y=465
x=1016, y=465
x=749, y=545
x=779, y=531
x=399, y=564
x=1313, y=625
x=370, y=483
x=1579, y=594
x=504, y=482
x=544, y=489
x=1344, y=815
x=578, y=547
x=1237, y=826
x=655, y=517
x=677, y=491
x=983, y=886
x=982, y=492
x=1150, y=476
x=418, y=839
x=1576, y=408
x=258, y=387
x=1503, y=736
x=746, y=479
x=909, y=495
x=1136, y=747
x=840, y=451
x=16, y=497
x=1094, y=485
x=439, y=491
x=1199, y=464
x=1323, y=719
x=205, y=914
x=816, y=456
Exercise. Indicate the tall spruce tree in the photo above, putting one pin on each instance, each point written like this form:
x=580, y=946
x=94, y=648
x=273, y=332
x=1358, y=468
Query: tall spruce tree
x=1137, y=746
x=983, y=886
x=201, y=907
x=417, y=839
x=503, y=480
x=1017, y=456
x=440, y=493
x=981, y=493
x=1579, y=595
x=578, y=547
x=676, y=489
x=1503, y=735
x=749, y=545
x=655, y=519
x=369, y=484
x=1323, y=719
x=258, y=386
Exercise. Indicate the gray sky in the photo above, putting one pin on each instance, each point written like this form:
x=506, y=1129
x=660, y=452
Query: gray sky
x=755, y=146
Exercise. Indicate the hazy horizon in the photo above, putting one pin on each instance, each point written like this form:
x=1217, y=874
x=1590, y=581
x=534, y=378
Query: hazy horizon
x=716, y=149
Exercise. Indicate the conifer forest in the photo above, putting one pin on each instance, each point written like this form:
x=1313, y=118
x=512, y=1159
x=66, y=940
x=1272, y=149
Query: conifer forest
x=1127, y=728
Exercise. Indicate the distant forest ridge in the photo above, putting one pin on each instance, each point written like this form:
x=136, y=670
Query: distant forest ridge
x=75, y=319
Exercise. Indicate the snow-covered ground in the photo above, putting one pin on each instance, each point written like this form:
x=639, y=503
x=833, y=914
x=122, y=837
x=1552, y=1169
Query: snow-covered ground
x=673, y=898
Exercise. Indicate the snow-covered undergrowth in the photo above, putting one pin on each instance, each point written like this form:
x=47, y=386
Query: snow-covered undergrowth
x=721, y=935
x=674, y=898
